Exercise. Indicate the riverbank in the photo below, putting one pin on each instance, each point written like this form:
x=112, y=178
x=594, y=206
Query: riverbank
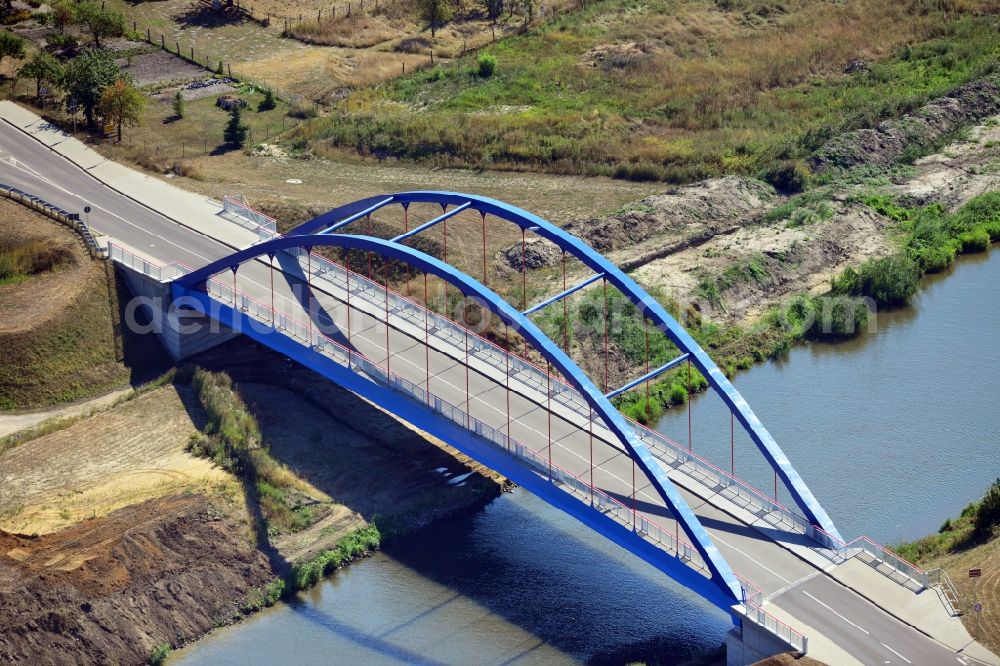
x=280, y=476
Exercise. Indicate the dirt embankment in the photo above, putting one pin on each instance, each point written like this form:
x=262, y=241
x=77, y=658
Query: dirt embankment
x=892, y=140
x=734, y=248
x=110, y=589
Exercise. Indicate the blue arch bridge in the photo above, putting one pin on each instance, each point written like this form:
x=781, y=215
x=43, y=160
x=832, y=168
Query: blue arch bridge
x=551, y=429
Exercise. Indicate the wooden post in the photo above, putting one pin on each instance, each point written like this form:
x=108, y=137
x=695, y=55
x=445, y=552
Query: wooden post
x=404, y=68
x=135, y=28
x=465, y=45
x=149, y=37
x=230, y=68
x=163, y=43
x=319, y=15
x=432, y=58
x=192, y=53
x=493, y=29
x=334, y=11
x=178, y=46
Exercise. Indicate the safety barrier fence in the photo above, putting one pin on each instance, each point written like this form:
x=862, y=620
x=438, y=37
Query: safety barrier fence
x=71, y=220
x=671, y=543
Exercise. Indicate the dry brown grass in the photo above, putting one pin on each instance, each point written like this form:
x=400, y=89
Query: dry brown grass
x=126, y=455
x=984, y=626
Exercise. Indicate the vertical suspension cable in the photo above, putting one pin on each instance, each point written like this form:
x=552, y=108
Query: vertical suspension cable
x=732, y=444
x=776, y=485
x=645, y=330
x=347, y=288
x=234, y=269
x=482, y=214
x=468, y=406
x=406, y=227
x=689, y=406
x=309, y=293
x=548, y=410
x=388, y=354
x=427, y=343
x=524, y=274
x=605, y=335
x=635, y=526
x=565, y=306
x=274, y=314
x=368, y=231
x=506, y=344
x=590, y=428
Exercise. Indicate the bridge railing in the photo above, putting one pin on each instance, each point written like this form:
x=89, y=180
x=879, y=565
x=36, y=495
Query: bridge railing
x=237, y=211
x=144, y=265
x=669, y=451
x=315, y=339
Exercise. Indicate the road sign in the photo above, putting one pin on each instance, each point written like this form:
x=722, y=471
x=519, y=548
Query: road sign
x=978, y=608
x=975, y=573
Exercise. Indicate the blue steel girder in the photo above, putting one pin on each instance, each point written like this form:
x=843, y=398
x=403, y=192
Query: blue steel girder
x=737, y=405
x=722, y=574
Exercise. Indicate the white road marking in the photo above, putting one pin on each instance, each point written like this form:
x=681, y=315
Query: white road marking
x=716, y=537
x=839, y=615
x=896, y=653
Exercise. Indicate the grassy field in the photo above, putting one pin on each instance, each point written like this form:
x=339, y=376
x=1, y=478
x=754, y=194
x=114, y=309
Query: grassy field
x=672, y=90
x=61, y=337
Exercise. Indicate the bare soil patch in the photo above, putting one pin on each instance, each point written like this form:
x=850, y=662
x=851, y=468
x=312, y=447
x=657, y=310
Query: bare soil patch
x=110, y=589
x=113, y=459
x=160, y=67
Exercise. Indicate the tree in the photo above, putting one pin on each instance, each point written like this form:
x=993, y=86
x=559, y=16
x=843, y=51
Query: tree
x=62, y=15
x=87, y=75
x=268, y=102
x=121, y=103
x=493, y=8
x=100, y=22
x=435, y=12
x=43, y=68
x=235, y=133
x=10, y=45
x=528, y=7
x=179, y=105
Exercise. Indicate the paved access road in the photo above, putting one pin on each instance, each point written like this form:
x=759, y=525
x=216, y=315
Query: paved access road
x=863, y=630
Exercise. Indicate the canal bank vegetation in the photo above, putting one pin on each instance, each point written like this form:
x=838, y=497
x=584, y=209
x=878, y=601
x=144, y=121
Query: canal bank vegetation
x=233, y=441
x=930, y=240
x=969, y=541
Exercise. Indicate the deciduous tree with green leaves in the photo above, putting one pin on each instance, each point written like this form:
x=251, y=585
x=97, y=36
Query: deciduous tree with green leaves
x=42, y=68
x=121, y=103
x=11, y=46
x=99, y=21
x=62, y=15
x=86, y=77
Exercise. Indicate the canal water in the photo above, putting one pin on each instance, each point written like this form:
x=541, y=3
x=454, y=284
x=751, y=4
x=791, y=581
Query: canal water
x=893, y=432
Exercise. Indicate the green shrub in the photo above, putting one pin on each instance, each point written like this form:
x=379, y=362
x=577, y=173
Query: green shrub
x=487, y=65
x=887, y=281
x=788, y=176
x=268, y=102
x=303, y=110
x=986, y=519
x=977, y=240
x=159, y=654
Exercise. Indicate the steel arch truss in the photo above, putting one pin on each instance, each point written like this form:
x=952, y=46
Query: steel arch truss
x=727, y=588
x=576, y=248
x=722, y=576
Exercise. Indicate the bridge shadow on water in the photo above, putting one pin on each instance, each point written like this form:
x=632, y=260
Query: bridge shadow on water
x=528, y=565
